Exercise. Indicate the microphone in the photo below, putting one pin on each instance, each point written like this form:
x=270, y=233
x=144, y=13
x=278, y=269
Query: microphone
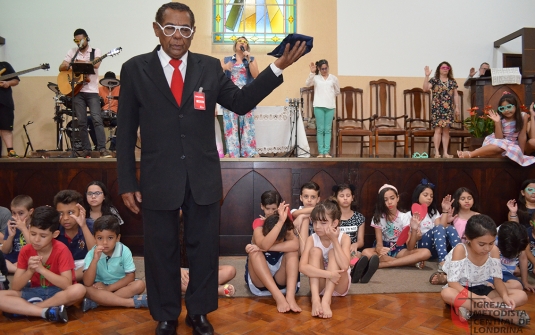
x=246, y=59
x=81, y=45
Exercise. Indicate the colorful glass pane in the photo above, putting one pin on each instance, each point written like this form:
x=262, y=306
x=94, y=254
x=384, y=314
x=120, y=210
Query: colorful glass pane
x=261, y=21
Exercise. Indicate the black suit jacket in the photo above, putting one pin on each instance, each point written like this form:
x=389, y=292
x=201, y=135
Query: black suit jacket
x=178, y=142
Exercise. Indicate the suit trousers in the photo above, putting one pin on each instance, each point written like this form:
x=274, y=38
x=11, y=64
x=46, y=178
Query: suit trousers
x=162, y=258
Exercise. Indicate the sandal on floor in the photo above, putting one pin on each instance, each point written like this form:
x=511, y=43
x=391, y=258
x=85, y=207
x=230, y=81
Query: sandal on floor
x=229, y=290
x=420, y=265
x=464, y=313
x=438, y=156
x=448, y=156
x=141, y=301
x=441, y=276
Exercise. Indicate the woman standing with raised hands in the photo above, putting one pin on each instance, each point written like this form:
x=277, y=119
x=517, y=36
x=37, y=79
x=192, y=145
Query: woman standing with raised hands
x=326, y=88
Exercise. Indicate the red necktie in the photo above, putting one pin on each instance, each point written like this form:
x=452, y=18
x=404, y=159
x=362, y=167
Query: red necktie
x=177, y=83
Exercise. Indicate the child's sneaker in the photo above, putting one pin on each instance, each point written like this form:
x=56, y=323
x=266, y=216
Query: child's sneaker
x=12, y=154
x=88, y=304
x=57, y=314
x=141, y=301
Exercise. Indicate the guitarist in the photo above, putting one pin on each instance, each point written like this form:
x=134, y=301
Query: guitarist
x=7, y=108
x=87, y=97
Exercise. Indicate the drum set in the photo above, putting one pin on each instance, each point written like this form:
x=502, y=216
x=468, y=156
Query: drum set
x=63, y=109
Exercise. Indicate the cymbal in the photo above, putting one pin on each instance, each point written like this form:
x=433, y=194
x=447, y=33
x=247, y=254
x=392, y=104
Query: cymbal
x=109, y=82
x=53, y=87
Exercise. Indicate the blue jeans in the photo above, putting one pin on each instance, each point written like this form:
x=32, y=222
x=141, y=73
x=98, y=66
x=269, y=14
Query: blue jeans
x=37, y=294
x=437, y=240
x=80, y=138
x=324, y=126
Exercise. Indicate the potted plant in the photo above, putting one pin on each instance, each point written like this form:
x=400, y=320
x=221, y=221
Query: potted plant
x=479, y=125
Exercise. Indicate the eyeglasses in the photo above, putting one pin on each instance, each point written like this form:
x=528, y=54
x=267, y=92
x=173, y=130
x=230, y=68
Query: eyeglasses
x=502, y=109
x=242, y=41
x=324, y=68
x=94, y=194
x=77, y=41
x=445, y=67
x=170, y=30
x=530, y=190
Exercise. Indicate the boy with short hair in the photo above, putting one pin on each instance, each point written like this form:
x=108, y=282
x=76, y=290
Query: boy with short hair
x=49, y=267
x=75, y=232
x=109, y=270
x=310, y=197
x=16, y=233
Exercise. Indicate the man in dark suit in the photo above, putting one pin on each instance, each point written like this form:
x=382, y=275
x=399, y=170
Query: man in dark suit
x=180, y=167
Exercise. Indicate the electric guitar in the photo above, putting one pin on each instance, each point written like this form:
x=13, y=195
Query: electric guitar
x=66, y=77
x=13, y=75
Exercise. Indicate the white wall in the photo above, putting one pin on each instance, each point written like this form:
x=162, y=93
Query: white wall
x=39, y=31
x=398, y=38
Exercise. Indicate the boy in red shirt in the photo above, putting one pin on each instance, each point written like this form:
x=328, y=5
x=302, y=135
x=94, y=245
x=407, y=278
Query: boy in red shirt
x=50, y=267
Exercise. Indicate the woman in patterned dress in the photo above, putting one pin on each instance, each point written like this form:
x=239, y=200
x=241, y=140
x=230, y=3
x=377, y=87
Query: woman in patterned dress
x=444, y=102
x=239, y=130
x=510, y=135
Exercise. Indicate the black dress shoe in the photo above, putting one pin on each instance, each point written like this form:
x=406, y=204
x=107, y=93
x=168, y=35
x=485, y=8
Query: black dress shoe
x=200, y=324
x=166, y=327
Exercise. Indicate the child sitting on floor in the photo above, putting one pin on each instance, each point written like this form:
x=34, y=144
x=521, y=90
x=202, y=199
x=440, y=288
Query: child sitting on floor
x=469, y=265
x=325, y=259
x=389, y=222
x=75, y=231
x=272, y=263
x=16, y=233
x=310, y=197
x=109, y=270
x=49, y=267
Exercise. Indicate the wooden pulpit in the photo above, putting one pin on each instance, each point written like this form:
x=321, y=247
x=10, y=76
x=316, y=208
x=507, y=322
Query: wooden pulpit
x=482, y=93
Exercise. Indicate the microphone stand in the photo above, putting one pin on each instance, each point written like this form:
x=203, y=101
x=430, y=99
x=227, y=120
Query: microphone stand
x=295, y=112
x=29, y=143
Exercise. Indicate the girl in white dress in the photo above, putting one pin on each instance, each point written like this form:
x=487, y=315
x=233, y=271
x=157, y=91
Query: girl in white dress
x=469, y=265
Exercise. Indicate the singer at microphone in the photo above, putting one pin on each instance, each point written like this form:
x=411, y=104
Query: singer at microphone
x=241, y=68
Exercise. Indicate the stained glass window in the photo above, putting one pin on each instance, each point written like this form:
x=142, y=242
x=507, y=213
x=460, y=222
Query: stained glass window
x=261, y=21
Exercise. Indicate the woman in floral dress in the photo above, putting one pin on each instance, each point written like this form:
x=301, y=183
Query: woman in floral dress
x=239, y=130
x=445, y=101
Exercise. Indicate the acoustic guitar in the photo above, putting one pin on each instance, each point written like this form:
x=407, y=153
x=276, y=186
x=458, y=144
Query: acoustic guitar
x=66, y=77
x=13, y=75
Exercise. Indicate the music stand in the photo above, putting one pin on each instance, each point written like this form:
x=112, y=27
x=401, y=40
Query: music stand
x=77, y=70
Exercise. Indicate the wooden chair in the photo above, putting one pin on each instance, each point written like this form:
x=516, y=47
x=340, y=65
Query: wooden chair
x=350, y=119
x=457, y=129
x=384, y=118
x=307, y=99
x=417, y=104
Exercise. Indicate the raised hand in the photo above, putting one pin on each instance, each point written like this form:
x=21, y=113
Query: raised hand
x=415, y=221
x=312, y=67
x=472, y=72
x=427, y=71
x=513, y=207
x=80, y=218
x=446, y=203
x=283, y=211
x=494, y=116
x=532, y=110
x=290, y=56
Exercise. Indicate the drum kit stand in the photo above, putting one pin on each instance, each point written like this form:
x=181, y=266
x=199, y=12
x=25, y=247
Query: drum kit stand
x=63, y=108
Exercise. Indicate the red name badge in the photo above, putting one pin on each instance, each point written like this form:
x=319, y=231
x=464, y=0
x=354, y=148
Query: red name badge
x=199, y=101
